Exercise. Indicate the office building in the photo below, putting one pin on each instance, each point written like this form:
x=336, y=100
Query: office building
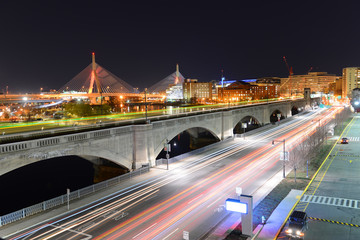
x=196, y=91
x=351, y=80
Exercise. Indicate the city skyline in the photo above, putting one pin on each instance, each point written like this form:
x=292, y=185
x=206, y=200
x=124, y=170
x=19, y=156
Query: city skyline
x=45, y=45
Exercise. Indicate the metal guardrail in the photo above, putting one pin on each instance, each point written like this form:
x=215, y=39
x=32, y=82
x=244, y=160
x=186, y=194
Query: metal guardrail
x=60, y=200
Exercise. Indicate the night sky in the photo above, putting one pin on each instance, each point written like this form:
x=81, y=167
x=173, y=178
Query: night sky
x=46, y=43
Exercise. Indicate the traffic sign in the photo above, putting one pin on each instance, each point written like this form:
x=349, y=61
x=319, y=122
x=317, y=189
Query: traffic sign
x=238, y=191
x=286, y=156
x=236, y=206
x=186, y=235
x=167, y=147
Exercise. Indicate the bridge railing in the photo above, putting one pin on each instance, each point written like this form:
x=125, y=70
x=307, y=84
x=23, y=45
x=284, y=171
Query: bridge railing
x=71, y=126
x=77, y=194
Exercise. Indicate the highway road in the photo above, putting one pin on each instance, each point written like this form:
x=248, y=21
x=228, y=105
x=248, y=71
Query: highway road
x=332, y=201
x=188, y=198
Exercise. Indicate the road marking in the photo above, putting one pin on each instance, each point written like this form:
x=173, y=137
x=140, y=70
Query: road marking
x=195, y=199
x=354, y=139
x=333, y=201
x=144, y=230
x=88, y=236
x=315, y=182
x=332, y=221
x=171, y=233
x=214, y=202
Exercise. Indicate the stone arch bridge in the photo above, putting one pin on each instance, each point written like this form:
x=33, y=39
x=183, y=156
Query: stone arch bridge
x=134, y=145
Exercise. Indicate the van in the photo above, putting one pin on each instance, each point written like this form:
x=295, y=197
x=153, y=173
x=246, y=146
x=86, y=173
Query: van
x=297, y=225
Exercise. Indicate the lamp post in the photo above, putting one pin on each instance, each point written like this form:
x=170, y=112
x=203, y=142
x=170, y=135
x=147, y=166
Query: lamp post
x=284, y=157
x=167, y=153
x=244, y=126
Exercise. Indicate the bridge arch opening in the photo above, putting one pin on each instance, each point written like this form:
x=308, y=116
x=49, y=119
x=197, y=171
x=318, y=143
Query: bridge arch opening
x=295, y=110
x=49, y=178
x=276, y=116
x=189, y=140
x=251, y=124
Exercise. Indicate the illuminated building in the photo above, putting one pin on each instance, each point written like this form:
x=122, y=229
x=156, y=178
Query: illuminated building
x=174, y=92
x=244, y=91
x=351, y=80
x=270, y=81
x=316, y=81
x=196, y=91
x=336, y=88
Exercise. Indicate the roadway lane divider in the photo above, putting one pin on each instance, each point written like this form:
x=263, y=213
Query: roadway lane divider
x=332, y=221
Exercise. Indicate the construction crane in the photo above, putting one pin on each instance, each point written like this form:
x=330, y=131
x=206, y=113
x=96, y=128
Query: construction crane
x=290, y=75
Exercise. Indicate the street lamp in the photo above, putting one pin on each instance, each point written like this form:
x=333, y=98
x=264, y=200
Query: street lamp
x=284, y=157
x=244, y=126
x=167, y=149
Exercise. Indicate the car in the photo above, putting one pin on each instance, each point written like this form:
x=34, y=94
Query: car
x=344, y=140
x=297, y=225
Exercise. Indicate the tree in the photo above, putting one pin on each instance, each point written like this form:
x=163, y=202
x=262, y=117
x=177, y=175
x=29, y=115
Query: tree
x=296, y=156
x=80, y=109
x=101, y=109
x=115, y=104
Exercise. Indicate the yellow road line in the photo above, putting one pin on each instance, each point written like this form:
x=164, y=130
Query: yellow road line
x=348, y=127
x=315, y=175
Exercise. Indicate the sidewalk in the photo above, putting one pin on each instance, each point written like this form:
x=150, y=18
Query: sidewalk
x=222, y=230
x=273, y=224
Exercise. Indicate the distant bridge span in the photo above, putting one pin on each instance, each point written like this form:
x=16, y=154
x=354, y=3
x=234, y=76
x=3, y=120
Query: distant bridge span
x=30, y=97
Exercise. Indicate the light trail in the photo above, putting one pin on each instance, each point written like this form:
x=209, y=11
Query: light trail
x=183, y=210
x=200, y=193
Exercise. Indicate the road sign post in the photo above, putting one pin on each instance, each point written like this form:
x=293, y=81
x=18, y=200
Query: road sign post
x=247, y=218
x=186, y=235
x=282, y=156
x=243, y=205
x=244, y=126
x=238, y=191
x=167, y=148
x=68, y=198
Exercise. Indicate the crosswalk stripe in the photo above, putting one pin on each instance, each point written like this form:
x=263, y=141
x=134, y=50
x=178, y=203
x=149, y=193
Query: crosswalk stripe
x=334, y=201
x=353, y=139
